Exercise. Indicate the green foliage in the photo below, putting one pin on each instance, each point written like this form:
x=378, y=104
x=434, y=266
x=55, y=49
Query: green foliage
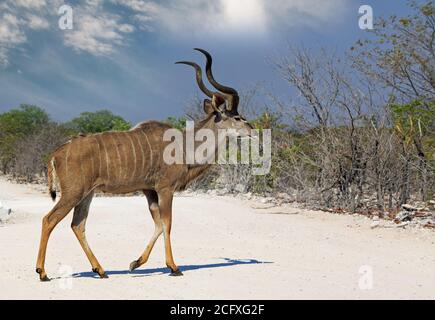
x=428, y=9
x=177, y=122
x=416, y=116
x=99, y=121
x=414, y=123
x=119, y=124
x=269, y=120
x=23, y=120
x=27, y=136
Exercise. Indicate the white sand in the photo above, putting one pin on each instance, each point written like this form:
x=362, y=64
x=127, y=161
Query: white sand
x=226, y=249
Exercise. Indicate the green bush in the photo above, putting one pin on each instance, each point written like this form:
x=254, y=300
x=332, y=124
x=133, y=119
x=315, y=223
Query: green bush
x=99, y=121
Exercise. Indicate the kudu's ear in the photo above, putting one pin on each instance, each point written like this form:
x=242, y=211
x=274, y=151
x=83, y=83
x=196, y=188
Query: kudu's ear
x=215, y=105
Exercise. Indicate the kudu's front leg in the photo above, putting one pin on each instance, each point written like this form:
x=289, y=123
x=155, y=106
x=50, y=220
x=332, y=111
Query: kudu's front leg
x=165, y=206
x=78, y=226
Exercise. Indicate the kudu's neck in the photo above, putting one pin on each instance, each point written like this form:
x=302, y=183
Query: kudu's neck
x=204, y=124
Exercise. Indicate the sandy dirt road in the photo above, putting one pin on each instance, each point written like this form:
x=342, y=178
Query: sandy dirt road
x=226, y=249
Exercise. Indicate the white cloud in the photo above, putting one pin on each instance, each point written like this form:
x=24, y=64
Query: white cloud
x=99, y=31
x=3, y=57
x=94, y=3
x=305, y=12
x=10, y=32
x=244, y=14
x=126, y=28
x=223, y=17
x=4, y=6
x=16, y=17
x=37, y=22
x=10, y=36
x=142, y=6
x=30, y=4
x=231, y=17
x=96, y=32
x=145, y=12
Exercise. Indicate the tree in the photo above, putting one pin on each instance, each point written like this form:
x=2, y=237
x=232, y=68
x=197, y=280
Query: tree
x=400, y=57
x=23, y=120
x=35, y=149
x=414, y=124
x=401, y=54
x=99, y=121
x=15, y=125
x=177, y=122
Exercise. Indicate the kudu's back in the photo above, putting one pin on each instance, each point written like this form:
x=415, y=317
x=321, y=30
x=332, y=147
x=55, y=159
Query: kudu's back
x=116, y=162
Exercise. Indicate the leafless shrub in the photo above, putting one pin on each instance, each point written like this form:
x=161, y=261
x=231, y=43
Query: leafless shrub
x=346, y=148
x=34, y=151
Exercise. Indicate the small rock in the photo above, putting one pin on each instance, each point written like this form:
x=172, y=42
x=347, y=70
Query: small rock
x=5, y=213
x=212, y=192
x=402, y=225
x=240, y=188
x=429, y=224
x=404, y=216
x=266, y=200
x=375, y=224
x=222, y=191
x=285, y=197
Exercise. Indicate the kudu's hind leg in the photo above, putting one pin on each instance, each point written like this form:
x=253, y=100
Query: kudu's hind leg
x=165, y=205
x=60, y=210
x=78, y=226
x=153, y=204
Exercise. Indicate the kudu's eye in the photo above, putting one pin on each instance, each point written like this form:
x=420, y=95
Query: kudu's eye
x=218, y=117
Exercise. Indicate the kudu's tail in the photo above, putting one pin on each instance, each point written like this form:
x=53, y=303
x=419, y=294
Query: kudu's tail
x=52, y=179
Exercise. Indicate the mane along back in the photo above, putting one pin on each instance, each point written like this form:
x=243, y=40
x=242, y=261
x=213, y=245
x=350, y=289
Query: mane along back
x=151, y=125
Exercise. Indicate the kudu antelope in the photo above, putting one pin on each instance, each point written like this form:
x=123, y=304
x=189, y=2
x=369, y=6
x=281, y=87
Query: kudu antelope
x=123, y=162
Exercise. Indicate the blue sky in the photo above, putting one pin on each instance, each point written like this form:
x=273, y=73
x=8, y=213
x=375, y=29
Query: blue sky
x=120, y=54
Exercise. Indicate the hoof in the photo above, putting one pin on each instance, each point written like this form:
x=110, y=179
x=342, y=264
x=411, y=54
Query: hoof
x=134, y=265
x=42, y=277
x=176, y=273
x=102, y=275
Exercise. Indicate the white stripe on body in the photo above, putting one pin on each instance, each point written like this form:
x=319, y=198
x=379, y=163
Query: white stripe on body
x=142, y=152
x=118, y=155
x=134, y=156
x=99, y=156
x=107, y=158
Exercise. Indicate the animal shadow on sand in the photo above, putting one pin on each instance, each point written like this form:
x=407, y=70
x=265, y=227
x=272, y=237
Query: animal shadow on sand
x=148, y=272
